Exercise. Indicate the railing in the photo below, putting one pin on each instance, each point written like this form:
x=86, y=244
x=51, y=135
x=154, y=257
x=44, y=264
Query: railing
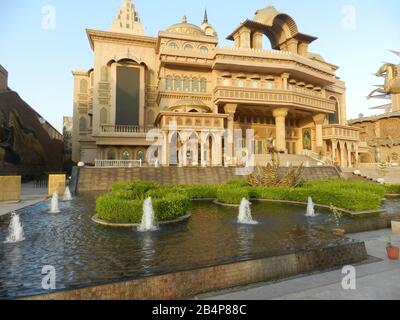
x=326, y=160
x=264, y=96
x=118, y=163
x=341, y=132
x=125, y=129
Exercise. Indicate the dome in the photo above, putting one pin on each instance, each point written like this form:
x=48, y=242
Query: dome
x=185, y=28
x=190, y=105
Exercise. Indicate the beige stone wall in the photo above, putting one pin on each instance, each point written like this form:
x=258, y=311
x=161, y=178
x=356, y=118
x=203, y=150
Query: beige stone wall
x=10, y=188
x=56, y=184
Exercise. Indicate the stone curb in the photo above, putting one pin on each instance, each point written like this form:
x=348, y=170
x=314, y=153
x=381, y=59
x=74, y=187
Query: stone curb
x=99, y=221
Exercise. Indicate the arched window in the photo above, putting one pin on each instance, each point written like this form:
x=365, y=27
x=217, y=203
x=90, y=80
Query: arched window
x=204, y=49
x=178, y=84
x=83, y=86
x=186, y=84
x=334, y=118
x=188, y=46
x=203, y=85
x=173, y=45
x=140, y=155
x=126, y=155
x=104, y=73
x=103, y=116
x=241, y=83
x=254, y=84
x=82, y=124
x=168, y=83
x=111, y=155
x=195, y=84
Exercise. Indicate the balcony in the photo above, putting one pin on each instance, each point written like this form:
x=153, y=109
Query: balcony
x=276, y=62
x=338, y=132
x=271, y=97
x=119, y=130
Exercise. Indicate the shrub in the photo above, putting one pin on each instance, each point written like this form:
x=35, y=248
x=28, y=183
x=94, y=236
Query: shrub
x=238, y=183
x=171, y=207
x=392, y=189
x=232, y=195
x=114, y=209
x=125, y=203
x=202, y=191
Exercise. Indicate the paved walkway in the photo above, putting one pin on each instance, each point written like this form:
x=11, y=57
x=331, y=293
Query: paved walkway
x=377, y=280
x=29, y=197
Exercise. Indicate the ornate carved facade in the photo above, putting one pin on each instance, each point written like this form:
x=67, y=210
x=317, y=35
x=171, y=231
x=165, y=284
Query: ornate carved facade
x=183, y=79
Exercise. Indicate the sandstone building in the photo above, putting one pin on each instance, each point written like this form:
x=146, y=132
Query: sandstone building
x=287, y=95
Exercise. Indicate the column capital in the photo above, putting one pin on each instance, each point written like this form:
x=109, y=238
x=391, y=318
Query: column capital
x=280, y=112
x=319, y=118
x=230, y=108
x=285, y=75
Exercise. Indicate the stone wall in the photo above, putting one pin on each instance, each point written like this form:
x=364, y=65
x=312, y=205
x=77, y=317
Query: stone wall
x=10, y=188
x=102, y=179
x=188, y=284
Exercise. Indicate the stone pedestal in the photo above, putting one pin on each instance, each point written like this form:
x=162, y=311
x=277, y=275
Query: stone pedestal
x=10, y=188
x=396, y=227
x=56, y=184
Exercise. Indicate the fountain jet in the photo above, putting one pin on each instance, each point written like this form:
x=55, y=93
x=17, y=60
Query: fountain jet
x=67, y=194
x=54, y=208
x=16, y=232
x=245, y=216
x=148, y=219
x=310, y=208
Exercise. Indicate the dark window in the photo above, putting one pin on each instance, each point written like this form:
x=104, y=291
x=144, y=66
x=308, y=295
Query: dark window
x=334, y=118
x=128, y=96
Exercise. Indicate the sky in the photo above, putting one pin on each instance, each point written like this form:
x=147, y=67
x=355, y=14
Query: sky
x=40, y=54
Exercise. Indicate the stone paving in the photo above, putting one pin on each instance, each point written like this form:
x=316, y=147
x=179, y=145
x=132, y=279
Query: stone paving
x=29, y=197
x=378, y=279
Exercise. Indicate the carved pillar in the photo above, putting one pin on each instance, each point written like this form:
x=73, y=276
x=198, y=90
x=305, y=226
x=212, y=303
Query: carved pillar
x=334, y=145
x=184, y=154
x=280, y=118
x=285, y=77
x=230, y=110
x=342, y=155
x=257, y=40
x=245, y=37
x=349, y=165
x=395, y=102
x=303, y=49
x=292, y=45
x=165, y=149
x=319, y=121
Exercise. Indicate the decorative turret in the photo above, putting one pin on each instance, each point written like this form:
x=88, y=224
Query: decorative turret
x=127, y=20
x=206, y=27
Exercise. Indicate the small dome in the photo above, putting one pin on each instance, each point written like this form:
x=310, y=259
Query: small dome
x=186, y=28
x=190, y=105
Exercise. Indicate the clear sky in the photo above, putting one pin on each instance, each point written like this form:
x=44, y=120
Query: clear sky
x=353, y=34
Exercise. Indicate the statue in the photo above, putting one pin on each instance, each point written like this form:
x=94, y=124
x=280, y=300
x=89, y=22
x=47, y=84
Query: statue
x=392, y=80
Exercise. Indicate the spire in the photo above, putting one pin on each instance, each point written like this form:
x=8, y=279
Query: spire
x=127, y=20
x=205, y=16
